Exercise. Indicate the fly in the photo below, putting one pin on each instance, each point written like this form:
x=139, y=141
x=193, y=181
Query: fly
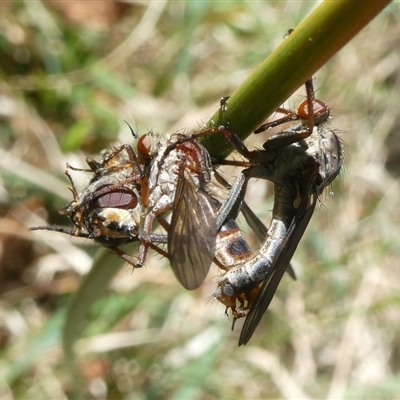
x=179, y=181
x=300, y=161
x=110, y=207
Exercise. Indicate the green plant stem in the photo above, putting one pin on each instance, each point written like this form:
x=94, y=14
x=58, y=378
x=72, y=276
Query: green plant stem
x=322, y=34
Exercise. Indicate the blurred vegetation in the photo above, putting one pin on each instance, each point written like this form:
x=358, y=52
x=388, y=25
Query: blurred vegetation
x=70, y=74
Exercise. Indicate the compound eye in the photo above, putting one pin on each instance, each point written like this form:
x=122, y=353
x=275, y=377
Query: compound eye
x=144, y=146
x=319, y=108
x=121, y=197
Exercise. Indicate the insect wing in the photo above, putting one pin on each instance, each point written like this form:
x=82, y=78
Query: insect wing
x=254, y=222
x=270, y=284
x=192, y=235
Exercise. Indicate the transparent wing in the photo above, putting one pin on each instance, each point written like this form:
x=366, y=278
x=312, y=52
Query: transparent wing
x=254, y=222
x=191, y=237
x=270, y=284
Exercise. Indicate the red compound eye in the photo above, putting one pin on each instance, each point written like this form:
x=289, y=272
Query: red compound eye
x=121, y=197
x=319, y=108
x=144, y=146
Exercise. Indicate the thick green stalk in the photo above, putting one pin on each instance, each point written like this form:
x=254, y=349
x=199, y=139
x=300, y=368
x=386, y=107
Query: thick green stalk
x=322, y=34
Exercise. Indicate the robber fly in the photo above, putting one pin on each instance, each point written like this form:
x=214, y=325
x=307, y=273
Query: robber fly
x=300, y=161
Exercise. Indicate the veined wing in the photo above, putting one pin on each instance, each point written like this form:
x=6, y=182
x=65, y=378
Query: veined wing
x=192, y=234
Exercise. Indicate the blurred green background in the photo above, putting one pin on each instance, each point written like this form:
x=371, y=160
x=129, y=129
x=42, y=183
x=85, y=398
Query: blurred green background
x=70, y=74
